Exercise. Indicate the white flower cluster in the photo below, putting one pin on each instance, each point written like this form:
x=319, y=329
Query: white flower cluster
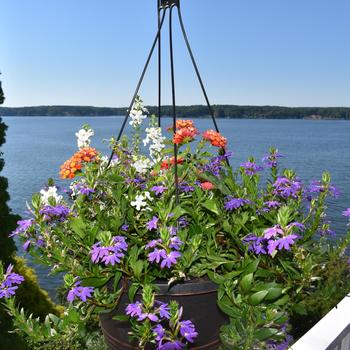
x=50, y=192
x=142, y=165
x=156, y=140
x=83, y=137
x=141, y=201
x=138, y=113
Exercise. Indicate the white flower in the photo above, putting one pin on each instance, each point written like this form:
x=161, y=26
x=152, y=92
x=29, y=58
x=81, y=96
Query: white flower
x=154, y=136
x=138, y=113
x=142, y=165
x=83, y=137
x=136, y=118
x=139, y=202
x=114, y=161
x=50, y=192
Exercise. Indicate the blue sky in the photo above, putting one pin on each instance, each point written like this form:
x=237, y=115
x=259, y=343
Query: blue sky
x=84, y=52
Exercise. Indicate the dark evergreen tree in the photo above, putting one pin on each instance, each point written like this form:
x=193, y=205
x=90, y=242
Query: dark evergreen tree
x=7, y=219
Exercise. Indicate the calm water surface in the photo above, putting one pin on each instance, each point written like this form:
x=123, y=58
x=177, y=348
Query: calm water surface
x=37, y=146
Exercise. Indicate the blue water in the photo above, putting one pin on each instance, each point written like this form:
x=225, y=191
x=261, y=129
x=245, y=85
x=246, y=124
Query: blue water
x=37, y=146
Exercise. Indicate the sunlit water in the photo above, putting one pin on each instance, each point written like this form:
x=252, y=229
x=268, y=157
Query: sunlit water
x=37, y=146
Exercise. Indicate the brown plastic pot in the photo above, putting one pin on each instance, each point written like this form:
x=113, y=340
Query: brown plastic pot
x=198, y=299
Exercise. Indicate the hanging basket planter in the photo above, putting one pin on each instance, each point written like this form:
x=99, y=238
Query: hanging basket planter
x=198, y=299
x=171, y=248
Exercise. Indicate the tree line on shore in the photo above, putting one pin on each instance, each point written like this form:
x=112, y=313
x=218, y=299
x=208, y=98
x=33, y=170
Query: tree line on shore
x=195, y=111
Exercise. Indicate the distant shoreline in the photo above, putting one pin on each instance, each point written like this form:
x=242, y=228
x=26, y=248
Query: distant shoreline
x=195, y=111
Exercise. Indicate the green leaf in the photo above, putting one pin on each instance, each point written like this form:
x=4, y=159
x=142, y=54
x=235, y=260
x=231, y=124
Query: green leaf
x=246, y=283
x=252, y=267
x=226, y=306
x=265, y=333
x=299, y=309
x=96, y=282
x=216, y=278
x=132, y=291
x=211, y=206
x=78, y=226
x=117, y=277
x=273, y=294
x=282, y=301
x=258, y=297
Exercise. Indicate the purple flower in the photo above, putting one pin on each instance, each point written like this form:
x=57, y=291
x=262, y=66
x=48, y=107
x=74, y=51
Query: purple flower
x=150, y=316
x=271, y=159
x=172, y=230
x=10, y=283
x=125, y=227
x=152, y=225
x=156, y=255
x=158, y=190
x=159, y=331
x=176, y=345
x=286, y=242
x=300, y=226
x=26, y=245
x=183, y=222
x=175, y=243
x=319, y=187
x=82, y=293
x=272, y=204
x=346, y=213
x=273, y=231
x=286, y=188
x=134, y=310
x=83, y=189
x=215, y=164
x=235, y=203
x=257, y=245
x=184, y=187
x=23, y=227
x=52, y=213
x=164, y=311
x=153, y=243
x=251, y=168
x=109, y=255
x=188, y=331
x=170, y=259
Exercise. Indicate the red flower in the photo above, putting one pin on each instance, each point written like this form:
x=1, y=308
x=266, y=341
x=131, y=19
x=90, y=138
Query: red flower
x=166, y=163
x=206, y=186
x=215, y=138
x=185, y=135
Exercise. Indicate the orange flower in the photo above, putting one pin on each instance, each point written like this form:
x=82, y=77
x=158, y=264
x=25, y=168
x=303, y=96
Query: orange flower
x=73, y=165
x=182, y=123
x=185, y=135
x=206, y=186
x=215, y=138
x=166, y=163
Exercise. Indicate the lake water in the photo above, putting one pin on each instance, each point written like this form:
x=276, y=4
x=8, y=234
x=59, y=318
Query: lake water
x=37, y=146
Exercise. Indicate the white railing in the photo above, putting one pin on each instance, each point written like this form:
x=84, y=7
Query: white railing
x=332, y=332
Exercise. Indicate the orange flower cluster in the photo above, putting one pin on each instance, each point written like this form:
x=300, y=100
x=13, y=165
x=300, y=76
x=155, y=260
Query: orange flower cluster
x=215, y=138
x=166, y=163
x=183, y=123
x=76, y=162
